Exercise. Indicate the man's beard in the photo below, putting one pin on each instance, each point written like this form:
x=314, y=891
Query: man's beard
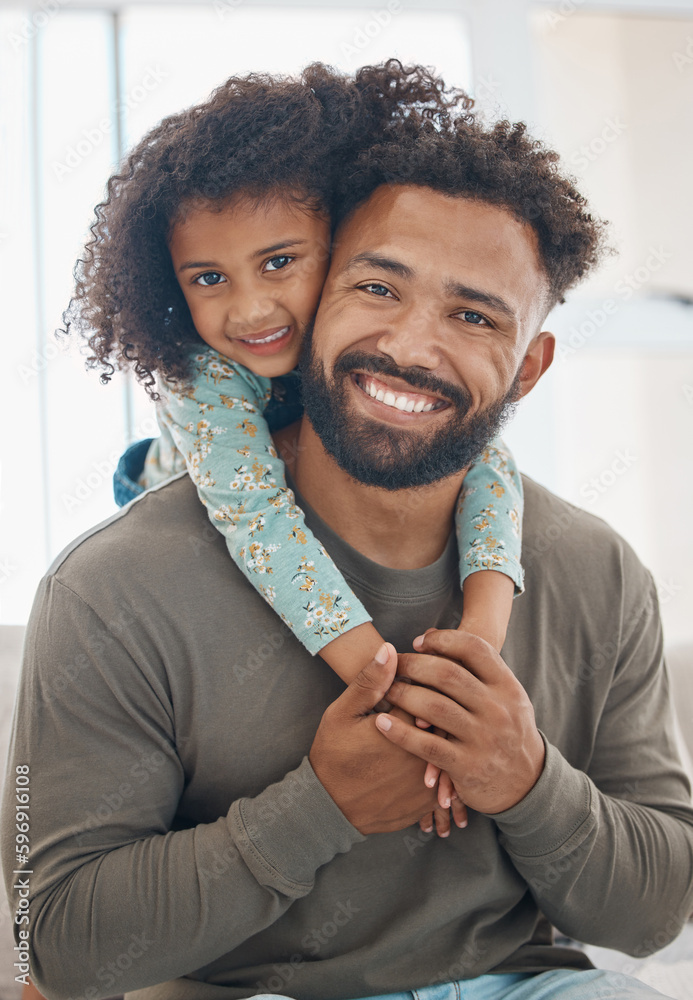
x=380, y=454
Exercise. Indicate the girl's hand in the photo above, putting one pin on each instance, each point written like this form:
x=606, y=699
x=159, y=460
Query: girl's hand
x=441, y=814
x=448, y=799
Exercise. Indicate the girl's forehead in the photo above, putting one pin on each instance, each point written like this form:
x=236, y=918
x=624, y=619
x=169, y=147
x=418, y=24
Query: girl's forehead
x=253, y=224
x=265, y=208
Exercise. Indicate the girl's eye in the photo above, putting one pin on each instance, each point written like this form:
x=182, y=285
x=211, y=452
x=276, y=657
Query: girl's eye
x=277, y=263
x=475, y=318
x=209, y=278
x=376, y=289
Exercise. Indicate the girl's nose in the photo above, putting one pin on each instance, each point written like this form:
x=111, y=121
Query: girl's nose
x=249, y=308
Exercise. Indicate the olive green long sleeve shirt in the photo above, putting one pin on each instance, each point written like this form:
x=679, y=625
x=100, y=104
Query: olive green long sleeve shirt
x=179, y=836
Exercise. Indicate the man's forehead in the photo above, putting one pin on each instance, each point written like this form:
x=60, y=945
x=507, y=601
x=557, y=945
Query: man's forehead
x=399, y=211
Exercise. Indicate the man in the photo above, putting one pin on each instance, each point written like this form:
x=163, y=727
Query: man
x=241, y=824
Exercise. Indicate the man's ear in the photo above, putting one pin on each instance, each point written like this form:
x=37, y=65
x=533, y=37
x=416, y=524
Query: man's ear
x=537, y=359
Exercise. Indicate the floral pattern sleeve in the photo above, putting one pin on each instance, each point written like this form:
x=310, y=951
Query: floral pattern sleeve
x=489, y=516
x=218, y=427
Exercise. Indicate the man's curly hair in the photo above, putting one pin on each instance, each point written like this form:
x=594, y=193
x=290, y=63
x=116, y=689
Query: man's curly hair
x=257, y=135
x=499, y=164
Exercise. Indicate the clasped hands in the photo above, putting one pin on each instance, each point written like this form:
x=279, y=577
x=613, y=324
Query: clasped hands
x=484, y=739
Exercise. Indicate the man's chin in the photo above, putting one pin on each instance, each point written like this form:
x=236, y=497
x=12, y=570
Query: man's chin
x=376, y=453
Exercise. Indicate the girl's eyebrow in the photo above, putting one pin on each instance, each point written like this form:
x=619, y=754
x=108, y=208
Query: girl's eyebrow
x=279, y=246
x=191, y=264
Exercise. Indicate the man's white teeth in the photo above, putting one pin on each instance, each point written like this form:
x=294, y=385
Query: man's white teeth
x=268, y=340
x=399, y=402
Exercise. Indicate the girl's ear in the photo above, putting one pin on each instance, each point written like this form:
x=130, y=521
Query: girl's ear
x=537, y=359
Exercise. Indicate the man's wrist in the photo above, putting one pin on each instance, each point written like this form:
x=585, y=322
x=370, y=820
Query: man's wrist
x=290, y=830
x=558, y=805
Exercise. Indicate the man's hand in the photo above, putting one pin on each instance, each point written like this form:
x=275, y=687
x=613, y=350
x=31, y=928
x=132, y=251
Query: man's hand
x=494, y=753
x=378, y=786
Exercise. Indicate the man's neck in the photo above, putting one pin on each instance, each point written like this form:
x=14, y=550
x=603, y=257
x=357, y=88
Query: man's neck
x=402, y=529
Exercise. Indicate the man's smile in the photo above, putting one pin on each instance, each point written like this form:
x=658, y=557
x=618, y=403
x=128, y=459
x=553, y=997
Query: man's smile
x=390, y=393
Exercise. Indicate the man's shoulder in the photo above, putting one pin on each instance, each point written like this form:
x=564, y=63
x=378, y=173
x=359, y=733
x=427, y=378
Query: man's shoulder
x=158, y=534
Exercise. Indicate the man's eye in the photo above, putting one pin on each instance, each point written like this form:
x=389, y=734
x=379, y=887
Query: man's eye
x=376, y=289
x=277, y=263
x=475, y=318
x=209, y=278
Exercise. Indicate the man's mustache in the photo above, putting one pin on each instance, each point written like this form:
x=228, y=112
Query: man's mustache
x=417, y=378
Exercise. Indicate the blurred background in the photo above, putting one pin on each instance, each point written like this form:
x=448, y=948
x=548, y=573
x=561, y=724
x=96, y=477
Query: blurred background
x=609, y=84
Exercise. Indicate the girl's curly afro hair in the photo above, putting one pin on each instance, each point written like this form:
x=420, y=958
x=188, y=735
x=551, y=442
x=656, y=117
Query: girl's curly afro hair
x=259, y=135
x=499, y=164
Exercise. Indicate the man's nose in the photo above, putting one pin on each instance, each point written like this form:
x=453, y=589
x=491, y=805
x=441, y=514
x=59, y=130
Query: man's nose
x=412, y=339
x=249, y=307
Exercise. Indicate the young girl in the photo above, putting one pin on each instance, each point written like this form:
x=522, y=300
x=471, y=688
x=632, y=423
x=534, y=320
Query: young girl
x=206, y=264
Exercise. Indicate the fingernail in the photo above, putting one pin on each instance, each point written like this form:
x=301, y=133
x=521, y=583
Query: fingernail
x=462, y=823
x=446, y=833
x=428, y=829
x=418, y=642
x=446, y=803
x=383, y=723
x=383, y=654
x=430, y=782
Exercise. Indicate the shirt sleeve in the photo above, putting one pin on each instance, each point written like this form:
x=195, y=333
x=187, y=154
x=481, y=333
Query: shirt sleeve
x=488, y=518
x=608, y=854
x=217, y=425
x=107, y=874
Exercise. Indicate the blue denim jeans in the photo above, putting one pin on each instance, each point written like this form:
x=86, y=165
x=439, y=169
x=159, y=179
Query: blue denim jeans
x=128, y=471
x=560, y=984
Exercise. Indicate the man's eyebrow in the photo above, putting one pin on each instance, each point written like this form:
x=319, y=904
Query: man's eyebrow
x=380, y=262
x=458, y=291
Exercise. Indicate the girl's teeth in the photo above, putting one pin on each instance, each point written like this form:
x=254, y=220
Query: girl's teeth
x=268, y=340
